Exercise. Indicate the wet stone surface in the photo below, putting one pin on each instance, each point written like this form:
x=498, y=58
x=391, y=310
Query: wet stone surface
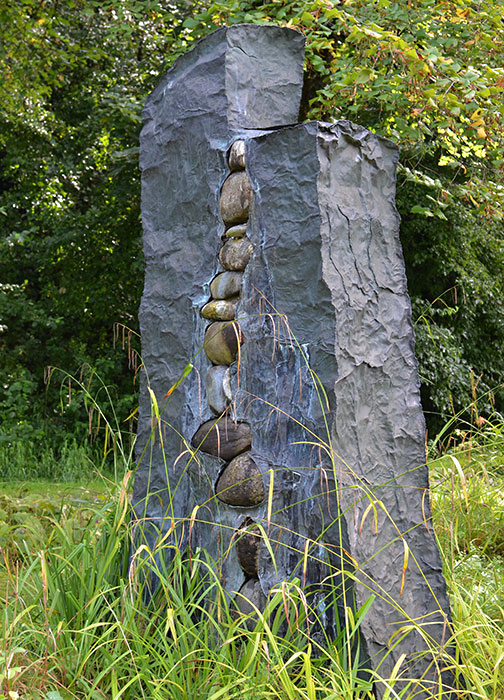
x=235, y=253
x=220, y=310
x=247, y=547
x=237, y=155
x=236, y=198
x=221, y=342
x=218, y=388
x=223, y=438
x=241, y=484
x=226, y=285
x=236, y=231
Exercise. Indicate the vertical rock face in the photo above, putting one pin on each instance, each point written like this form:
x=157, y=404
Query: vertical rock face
x=325, y=233
x=308, y=345
x=238, y=78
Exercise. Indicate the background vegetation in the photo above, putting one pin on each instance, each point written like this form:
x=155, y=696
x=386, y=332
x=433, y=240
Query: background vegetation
x=75, y=74
x=75, y=623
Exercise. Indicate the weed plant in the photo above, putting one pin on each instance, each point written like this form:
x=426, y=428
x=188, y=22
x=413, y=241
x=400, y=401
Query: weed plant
x=77, y=623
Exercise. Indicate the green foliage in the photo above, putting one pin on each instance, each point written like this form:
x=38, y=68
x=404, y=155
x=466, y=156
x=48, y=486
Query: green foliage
x=472, y=518
x=75, y=621
x=28, y=515
x=426, y=74
x=25, y=459
x=468, y=509
x=476, y=513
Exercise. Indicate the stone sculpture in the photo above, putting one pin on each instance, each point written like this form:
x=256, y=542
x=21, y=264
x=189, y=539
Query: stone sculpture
x=274, y=247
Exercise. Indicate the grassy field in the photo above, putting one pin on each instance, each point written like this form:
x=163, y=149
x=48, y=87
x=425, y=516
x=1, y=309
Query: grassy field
x=75, y=623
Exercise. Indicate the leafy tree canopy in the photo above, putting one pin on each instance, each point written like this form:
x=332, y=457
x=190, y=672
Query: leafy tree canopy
x=427, y=74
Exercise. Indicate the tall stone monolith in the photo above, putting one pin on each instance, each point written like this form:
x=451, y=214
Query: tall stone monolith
x=275, y=290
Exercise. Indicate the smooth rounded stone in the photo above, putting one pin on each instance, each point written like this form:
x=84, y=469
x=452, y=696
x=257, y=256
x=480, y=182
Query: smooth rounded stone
x=247, y=547
x=237, y=155
x=236, y=198
x=221, y=342
x=236, y=231
x=223, y=438
x=220, y=310
x=241, y=484
x=235, y=253
x=226, y=285
x=250, y=592
x=218, y=388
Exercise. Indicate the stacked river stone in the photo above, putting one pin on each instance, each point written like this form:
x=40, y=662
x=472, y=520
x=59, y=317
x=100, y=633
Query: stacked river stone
x=240, y=482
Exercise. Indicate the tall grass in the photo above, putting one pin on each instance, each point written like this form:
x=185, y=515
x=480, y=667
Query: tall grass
x=76, y=620
x=77, y=623
x=467, y=486
x=25, y=460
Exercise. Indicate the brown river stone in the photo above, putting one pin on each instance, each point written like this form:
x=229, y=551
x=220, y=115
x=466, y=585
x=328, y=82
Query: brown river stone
x=247, y=547
x=241, y=484
x=237, y=155
x=226, y=285
x=236, y=198
x=222, y=437
x=220, y=310
x=235, y=253
x=221, y=342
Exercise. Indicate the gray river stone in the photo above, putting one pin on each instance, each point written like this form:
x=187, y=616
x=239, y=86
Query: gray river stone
x=226, y=285
x=218, y=388
x=250, y=598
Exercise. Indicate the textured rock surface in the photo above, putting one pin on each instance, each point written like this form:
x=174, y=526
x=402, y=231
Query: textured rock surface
x=323, y=231
x=241, y=484
x=239, y=78
x=330, y=196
